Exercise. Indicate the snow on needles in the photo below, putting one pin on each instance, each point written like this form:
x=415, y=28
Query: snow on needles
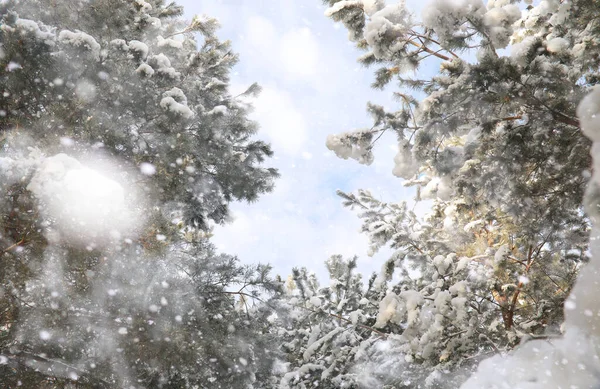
x=81, y=40
x=574, y=360
x=175, y=101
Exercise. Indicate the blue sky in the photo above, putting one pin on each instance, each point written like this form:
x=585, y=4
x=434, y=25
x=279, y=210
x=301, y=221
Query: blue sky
x=312, y=87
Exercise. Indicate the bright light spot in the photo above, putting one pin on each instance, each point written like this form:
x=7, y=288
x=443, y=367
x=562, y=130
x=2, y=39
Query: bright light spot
x=45, y=335
x=147, y=169
x=86, y=205
x=523, y=280
x=85, y=90
x=13, y=66
x=67, y=142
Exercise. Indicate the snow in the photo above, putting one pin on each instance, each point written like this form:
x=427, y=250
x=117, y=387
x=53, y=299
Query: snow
x=169, y=42
x=66, y=141
x=471, y=226
x=574, y=360
x=12, y=66
x=520, y=50
x=345, y=149
x=45, y=335
x=140, y=48
x=499, y=20
x=34, y=27
x=147, y=169
x=315, y=301
x=85, y=90
x=502, y=254
x=337, y=7
x=437, y=188
x=391, y=21
x=310, y=350
x=390, y=310
x=446, y=16
x=80, y=39
x=588, y=112
x=175, y=101
x=218, y=110
x=524, y=280
x=145, y=70
x=370, y=7
x=561, y=15
x=86, y=205
x=304, y=369
x=557, y=45
x=215, y=82
x=119, y=44
x=144, y=6
x=405, y=165
x=162, y=64
x=578, y=50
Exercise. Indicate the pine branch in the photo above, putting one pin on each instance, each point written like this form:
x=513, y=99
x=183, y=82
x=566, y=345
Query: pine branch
x=428, y=50
x=414, y=33
x=366, y=327
x=19, y=355
x=19, y=243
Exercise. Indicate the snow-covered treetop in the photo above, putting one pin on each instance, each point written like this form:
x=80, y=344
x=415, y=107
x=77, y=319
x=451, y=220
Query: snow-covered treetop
x=120, y=146
x=487, y=129
x=140, y=85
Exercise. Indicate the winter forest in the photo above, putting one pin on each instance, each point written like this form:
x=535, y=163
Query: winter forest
x=129, y=135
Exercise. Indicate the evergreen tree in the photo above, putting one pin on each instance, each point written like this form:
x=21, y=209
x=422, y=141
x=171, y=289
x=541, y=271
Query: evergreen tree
x=573, y=360
x=120, y=146
x=493, y=141
x=326, y=326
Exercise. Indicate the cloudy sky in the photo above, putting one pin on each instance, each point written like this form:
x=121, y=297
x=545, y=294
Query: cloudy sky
x=312, y=87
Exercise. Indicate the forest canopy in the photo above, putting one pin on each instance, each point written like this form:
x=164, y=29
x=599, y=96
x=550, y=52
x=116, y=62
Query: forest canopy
x=122, y=146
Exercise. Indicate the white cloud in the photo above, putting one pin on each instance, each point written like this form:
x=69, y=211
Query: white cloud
x=280, y=120
x=294, y=53
x=261, y=35
x=286, y=234
x=299, y=52
x=312, y=87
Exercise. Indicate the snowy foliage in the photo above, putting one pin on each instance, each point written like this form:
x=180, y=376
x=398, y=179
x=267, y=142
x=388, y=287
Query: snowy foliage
x=112, y=171
x=493, y=140
x=573, y=360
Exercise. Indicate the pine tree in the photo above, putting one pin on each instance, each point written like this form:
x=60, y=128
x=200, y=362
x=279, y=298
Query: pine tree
x=493, y=140
x=572, y=360
x=126, y=103
x=327, y=327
